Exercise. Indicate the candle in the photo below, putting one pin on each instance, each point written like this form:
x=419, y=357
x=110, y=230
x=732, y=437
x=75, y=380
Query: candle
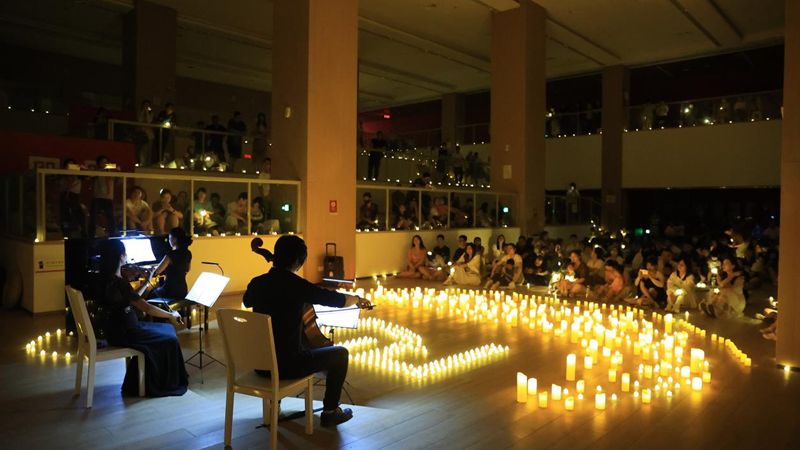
x=612, y=375
x=522, y=387
x=543, y=399
x=626, y=382
x=685, y=372
x=593, y=345
x=606, y=352
x=532, y=387
x=600, y=400
x=713, y=338
x=580, y=386
x=648, y=371
x=571, y=361
x=668, y=323
x=706, y=377
x=587, y=362
x=556, y=389
x=569, y=403
x=646, y=396
x=748, y=362
x=696, y=361
x=697, y=384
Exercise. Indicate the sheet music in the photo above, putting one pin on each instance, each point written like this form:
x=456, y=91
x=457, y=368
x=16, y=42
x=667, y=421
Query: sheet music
x=337, y=317
x=207, y=289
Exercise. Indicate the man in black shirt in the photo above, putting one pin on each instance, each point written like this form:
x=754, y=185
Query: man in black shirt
x=424, y=181
x=441, y=251
x=375, y=155
x=462, y=247
x=213, y=140
x=281, y=294
x=369, y=213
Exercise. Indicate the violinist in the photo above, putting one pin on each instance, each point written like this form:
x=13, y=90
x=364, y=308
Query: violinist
x=281, y=294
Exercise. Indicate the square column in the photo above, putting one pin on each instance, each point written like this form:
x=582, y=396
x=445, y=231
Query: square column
x=149, y=54
x=314, y=93
x=788, y=346
x=452, y=118
x=517, y=110
x=615, y=99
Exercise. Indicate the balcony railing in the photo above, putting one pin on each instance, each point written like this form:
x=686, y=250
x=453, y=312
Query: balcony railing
x=565, y=210
x=53, y=204
x=400, y=208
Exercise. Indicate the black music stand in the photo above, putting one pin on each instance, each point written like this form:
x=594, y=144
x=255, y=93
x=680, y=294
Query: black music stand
x=205, y=292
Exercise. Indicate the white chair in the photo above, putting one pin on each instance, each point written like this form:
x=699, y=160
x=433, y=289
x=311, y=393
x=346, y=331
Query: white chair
x=87, y=348
x=249, y=345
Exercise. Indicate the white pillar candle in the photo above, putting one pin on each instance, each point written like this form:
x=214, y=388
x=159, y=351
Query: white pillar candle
x=543, y=399
x=556, y=392
x=600, y=400
x=646, y=396
x=522, y=387
x=532, y=386
x=587, y=362
x=612, y=376
x=626, y=382
x=668, y=320
x=569, y=403
x=696, y=362
x=706, y=377
x=580, y=386
x=571, y=361
x=648, y=371
x=697, y=384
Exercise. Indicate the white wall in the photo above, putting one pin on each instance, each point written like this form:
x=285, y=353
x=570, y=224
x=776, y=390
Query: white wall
x=573, y=159
x=386, y=252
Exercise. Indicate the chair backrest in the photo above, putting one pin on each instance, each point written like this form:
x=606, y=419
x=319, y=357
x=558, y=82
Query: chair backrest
x=81, y=315
x=248, y=340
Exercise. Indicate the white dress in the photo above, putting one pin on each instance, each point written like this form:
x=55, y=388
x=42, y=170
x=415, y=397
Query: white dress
x=732, y=303
x=469, y=273
x=686, y=284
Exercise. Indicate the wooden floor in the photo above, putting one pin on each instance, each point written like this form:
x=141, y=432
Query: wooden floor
x=756, y=407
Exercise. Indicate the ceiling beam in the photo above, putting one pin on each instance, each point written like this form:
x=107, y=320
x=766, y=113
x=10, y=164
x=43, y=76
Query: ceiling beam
x=580, y=44
x=407, y=78
x=707, y=17
x=498, y=5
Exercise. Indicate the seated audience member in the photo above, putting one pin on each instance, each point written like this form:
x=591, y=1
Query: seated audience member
x=237, y=214
x=217, y=210
x=482, y=218
x=165, y=216
x=504, y=277
x=441, y=253
x=522, y=247
x=403, y=220
x=651, y=285
x=462, y=246
x=573, y=244
x=497, y=250
x=257, y=217
x=466, y=270
x=728, y=298
x=368, y=213
x=665, y=263
x=424, y=181
x=575, y=285
x=681, y=287
x=614, y=286
x=511, y=254
x=140, y=216
x=613, y=255
x=202, y=214
x=417, y=261
x=538, y=274
x=597, y=268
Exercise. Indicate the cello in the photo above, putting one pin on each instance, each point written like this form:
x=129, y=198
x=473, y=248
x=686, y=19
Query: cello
x=314, y=338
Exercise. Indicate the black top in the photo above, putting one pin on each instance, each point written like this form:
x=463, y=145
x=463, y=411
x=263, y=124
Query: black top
x=459, y=251
x=443, y=251
x=582, y=272
x=118, y=315
x=175, y=273
x=282, y=294
x=378, y=144
x=369, y=212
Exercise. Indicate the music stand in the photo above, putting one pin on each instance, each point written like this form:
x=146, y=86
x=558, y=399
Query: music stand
x=337, y=318
x=205, y=292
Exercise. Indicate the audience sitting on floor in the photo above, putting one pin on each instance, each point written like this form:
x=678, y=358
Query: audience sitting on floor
x=417, y=261
x=466, y=270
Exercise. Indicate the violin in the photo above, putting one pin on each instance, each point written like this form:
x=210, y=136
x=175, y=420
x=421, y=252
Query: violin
x=313, y=336
x=132, y=272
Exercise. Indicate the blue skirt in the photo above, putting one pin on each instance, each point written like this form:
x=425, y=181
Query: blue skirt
x=165, y=373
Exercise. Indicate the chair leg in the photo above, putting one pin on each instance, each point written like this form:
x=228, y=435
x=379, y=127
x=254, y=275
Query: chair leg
x=141, y=376
x=228, y=415
x=265, y=414
x=79, y=374
x=273, y=424
x=90, y=384
x=310, y=407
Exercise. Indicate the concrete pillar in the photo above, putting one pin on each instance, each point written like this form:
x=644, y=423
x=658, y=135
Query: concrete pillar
x=314, y=93
x=452, y=118
x=788, y=346
x=615, y=99
x=517, y=110
x=149, y=54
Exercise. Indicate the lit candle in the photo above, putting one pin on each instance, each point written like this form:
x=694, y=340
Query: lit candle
x=543, y=399
x=571, y=361
x=522, y=387
x=685, y=372
x=748, y=362
x=587, y=362
x=696, y=361
x=697, y=384
x=556, y=389
x=626, y=382
x=668, y=319
x=612, y=375
x=569, y=403
x=706, y=377
x=648, y=371
x=532, y=387
x=580, y=386
x=646, y=395
x=600, y=400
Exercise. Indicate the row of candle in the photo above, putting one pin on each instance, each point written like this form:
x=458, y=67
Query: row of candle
x=386, y=362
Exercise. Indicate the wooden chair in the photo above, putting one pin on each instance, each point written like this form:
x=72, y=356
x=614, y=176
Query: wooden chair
x=87, y=348
x=249, y=345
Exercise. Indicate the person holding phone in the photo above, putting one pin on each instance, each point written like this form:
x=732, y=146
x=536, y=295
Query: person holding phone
x=651, y=286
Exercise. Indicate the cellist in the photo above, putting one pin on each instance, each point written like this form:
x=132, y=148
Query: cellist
x=281, y=293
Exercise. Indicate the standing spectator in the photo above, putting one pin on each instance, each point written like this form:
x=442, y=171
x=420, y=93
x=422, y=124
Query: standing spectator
x=724, y=111
x=662, y=111
x=261, y=138
x=740, y=109
x=375, y=155
x=103, y=201
x=214, y=140
x=647, y=115
x=165, y=216
x=368, y=213
x=166, y=118
x=458, y=165
x=100, y=124
x=573, y=201
x=441, y=162
x=144, y=135
x=265, y=174
x=72, y=215
x=236, y=126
